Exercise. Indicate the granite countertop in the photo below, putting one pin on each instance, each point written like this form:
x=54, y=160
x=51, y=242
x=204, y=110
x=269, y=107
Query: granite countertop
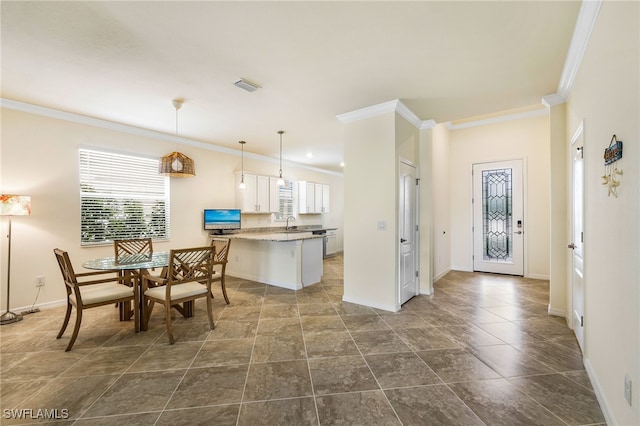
x=274, y=236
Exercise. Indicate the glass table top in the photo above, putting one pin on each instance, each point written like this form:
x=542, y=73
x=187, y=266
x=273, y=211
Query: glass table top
x=129, y=261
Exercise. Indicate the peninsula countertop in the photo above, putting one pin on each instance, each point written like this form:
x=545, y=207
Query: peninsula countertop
x=275, y=236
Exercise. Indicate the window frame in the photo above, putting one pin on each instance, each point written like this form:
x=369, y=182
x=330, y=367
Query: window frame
x=126, y=186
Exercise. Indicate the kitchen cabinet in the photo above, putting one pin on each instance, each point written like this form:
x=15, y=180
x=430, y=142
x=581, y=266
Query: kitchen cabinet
x=260, y=195
x=313, y=197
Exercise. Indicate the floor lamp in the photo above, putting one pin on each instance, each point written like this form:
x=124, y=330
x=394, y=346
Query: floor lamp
x=12, y=205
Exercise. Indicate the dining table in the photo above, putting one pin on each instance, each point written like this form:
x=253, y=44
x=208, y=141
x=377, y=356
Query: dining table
x=134, y=267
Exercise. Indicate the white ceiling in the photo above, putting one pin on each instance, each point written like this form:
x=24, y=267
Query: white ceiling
x=126, y=61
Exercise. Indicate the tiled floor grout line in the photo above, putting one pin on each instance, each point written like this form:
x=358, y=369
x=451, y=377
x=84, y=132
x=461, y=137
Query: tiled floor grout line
x=253, y=346
x=306, y=353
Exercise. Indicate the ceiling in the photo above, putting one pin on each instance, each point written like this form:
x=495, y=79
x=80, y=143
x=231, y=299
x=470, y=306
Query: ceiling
x=126, y=61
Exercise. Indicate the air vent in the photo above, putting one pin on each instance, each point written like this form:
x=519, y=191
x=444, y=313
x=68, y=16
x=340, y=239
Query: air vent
x=246, y=85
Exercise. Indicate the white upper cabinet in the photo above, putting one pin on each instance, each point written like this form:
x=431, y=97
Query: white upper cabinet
x=259, y=194
x=313, y=197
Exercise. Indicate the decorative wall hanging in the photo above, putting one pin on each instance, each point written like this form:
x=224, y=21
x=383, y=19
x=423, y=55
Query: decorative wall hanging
x=611, y=170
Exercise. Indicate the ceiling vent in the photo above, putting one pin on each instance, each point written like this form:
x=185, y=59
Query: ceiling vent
x=246, y=85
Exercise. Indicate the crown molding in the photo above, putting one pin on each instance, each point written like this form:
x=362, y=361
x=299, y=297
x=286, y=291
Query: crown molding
x=498, y=119
x=395, y=105
x=553, y=100
x=132, y=130
x=589, y=10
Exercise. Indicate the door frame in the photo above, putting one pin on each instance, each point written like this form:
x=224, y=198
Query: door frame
x=575, y=137
x=416, y=209
x=525, y=210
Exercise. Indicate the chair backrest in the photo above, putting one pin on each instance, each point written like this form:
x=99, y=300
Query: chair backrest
x=133, y=246
x=221, y=249
x=190, y=264
x=68, y=275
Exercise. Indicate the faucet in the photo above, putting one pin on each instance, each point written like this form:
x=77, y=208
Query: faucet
x=286, y=228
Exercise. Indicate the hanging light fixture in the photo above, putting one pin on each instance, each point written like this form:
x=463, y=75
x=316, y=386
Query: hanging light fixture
x=177, y=164
x=242, y=184
x=280, y=178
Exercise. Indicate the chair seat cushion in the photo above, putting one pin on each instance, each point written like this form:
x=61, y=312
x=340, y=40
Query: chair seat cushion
x=178, y=291
x=98, y=293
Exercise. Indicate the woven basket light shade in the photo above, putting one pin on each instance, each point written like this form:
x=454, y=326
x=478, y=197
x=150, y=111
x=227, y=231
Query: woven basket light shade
x=177, y=164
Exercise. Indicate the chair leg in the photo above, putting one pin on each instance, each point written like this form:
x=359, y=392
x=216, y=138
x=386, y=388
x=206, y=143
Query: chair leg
x=210, y=310
x=224, y=290
x=76, y=328
x=66, y=321
x=147, y=308
x=167, y=318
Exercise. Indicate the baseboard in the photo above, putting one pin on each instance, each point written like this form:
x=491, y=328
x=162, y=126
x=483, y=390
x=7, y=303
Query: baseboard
x=538, y=277
x=442, y=274
x=556, y=312
x=263, y=281
x=426, y=291
x=597, y=389
x=42, y=306
x=461, y=268
x=390, y=308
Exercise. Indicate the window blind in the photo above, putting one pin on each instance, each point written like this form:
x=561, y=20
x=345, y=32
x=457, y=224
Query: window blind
x=122, y=197
x=286, y=198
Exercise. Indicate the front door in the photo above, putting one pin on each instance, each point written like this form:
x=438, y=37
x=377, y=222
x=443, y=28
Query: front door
x=408, y=232
x=498, y=223
x=577, y=238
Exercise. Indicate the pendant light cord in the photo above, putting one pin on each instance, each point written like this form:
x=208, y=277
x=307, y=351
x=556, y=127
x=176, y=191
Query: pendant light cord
x=281, y=132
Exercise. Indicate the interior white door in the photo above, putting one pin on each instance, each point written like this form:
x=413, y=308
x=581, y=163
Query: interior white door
x=498, y=223
x=408, y=232
x=577, y=237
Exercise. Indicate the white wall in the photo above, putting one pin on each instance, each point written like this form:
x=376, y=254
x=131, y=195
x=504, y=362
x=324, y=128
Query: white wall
x=370, y=185
x=606, y=95
x=527, y=139
x=40, y=158
x=441, y=201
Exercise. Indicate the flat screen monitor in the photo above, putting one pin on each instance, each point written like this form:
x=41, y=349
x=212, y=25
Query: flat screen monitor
x=221, y=219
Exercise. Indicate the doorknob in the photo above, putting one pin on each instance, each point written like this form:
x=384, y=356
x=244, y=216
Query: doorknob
x=518, y=232
x=571, y=246
x=402, y=240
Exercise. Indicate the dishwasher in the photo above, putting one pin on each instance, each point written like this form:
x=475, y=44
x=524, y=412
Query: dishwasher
x=329, y=242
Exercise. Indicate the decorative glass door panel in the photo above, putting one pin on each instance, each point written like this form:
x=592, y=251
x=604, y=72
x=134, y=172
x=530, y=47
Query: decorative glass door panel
x=498, y=226
x=496, y=214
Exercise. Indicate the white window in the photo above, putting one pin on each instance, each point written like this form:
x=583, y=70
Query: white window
x=286, y=198
x=121, y=197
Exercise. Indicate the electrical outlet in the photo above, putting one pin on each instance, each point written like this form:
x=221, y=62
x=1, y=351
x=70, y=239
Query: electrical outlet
x=627, y=388
x=39, y=281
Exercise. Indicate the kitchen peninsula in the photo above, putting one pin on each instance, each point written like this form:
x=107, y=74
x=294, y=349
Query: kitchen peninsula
x=284, y=259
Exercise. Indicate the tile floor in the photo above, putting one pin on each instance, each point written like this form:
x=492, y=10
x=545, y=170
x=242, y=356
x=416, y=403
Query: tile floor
x=482, y=351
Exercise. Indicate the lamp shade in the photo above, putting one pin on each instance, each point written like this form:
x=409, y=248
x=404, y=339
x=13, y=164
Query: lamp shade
x=15, y=205
x=177, y=164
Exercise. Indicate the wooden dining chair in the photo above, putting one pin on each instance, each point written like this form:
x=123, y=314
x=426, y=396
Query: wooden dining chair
x=220, y=255
x=88, y=294
x=188, y=270
x=126, y=248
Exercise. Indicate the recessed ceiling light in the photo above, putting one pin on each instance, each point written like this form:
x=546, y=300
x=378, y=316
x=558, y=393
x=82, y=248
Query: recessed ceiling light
x=246, y=85
x=342, y=164
x=309, y=154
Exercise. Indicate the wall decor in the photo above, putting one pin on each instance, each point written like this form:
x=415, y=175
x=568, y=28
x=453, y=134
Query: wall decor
x=610, y=178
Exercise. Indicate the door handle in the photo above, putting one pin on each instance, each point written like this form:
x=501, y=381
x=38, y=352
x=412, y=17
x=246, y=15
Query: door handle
x=518, y=232
x=571, y=246
x=402, y=240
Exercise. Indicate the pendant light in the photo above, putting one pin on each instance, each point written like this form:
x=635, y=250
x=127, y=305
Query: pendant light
x=280, y=178
x=242, y=184
x=177, y=164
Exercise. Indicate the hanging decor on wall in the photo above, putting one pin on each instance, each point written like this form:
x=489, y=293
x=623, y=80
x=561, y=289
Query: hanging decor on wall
x=612, y=171
x=176, y=164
